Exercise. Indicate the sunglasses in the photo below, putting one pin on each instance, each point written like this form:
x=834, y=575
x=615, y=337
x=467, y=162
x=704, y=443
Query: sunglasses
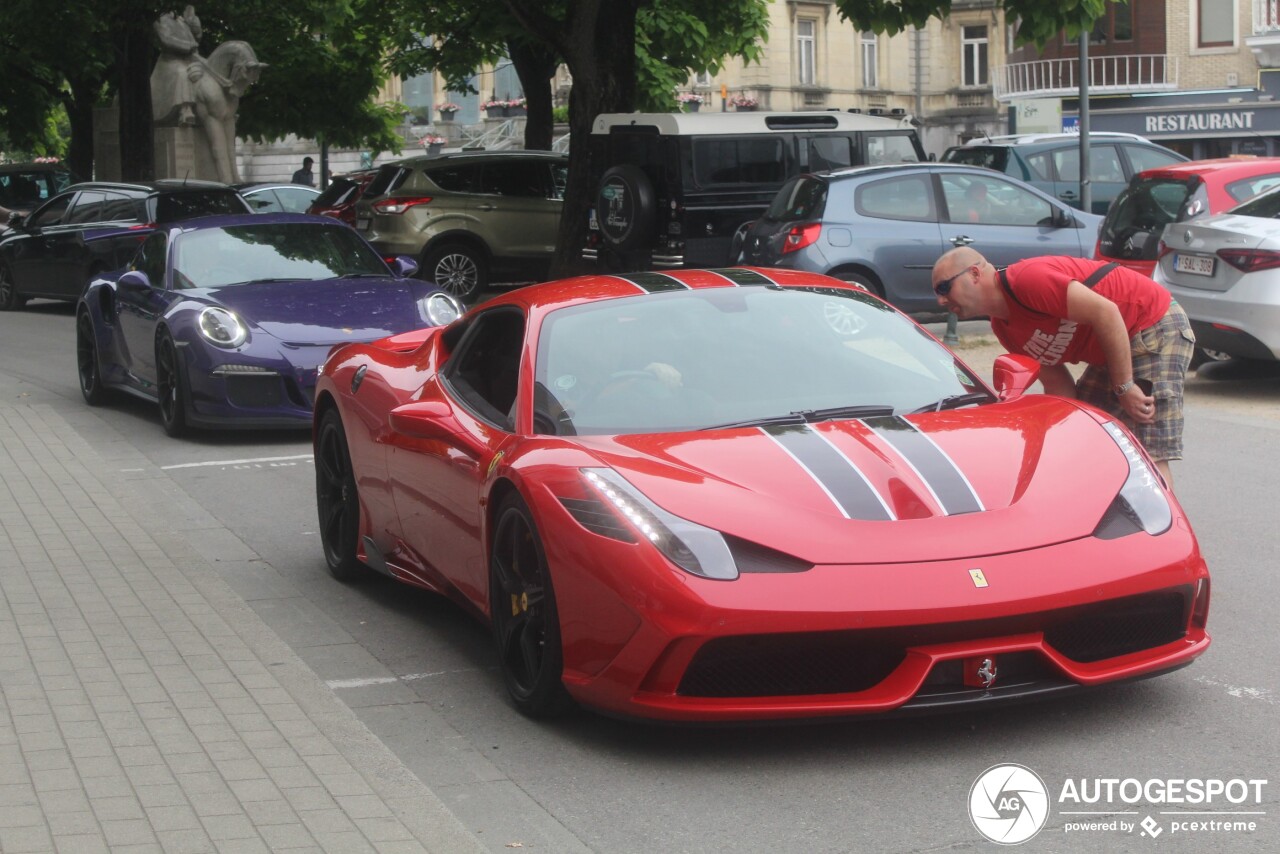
x=944, y=287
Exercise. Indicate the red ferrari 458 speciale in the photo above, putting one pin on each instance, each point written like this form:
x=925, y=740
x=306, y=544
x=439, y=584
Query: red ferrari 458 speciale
x=744, y=494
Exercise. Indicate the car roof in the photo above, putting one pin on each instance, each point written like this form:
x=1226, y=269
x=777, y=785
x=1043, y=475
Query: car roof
x=203, y=223
x=164, y=185
x=456, y=156
x=881, y=168
x=1224, y=167
x=712, y=122
x=1032, y=138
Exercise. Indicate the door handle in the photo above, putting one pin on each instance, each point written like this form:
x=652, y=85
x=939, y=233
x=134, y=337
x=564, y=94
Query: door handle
x=486, y=207
x=961, y=240
x=1067, y=196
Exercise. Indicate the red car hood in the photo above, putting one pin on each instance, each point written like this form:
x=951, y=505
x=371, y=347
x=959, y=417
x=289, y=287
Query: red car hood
x=938, y=486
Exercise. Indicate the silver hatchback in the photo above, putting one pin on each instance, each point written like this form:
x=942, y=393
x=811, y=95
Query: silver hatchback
x=885, y=226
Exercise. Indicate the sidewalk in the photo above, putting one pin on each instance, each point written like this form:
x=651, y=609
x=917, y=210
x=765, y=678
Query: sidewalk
x=144, y=706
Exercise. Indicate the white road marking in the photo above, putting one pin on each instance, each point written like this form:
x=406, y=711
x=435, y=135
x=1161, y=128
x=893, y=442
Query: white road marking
x=387, y=680
x=1263, y=694
x=236, y=462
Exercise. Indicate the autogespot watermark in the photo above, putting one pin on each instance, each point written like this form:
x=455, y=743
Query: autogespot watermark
x=1009, y=804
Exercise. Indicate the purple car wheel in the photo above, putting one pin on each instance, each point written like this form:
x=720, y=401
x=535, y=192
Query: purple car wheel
x=87, y=363
x=526, y=625
x=170, y=387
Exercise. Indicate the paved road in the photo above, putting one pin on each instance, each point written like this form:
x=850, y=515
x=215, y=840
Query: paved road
x=419, y=674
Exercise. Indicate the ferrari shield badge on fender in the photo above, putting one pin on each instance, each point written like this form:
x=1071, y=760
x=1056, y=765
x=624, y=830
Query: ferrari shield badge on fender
x=979, y=580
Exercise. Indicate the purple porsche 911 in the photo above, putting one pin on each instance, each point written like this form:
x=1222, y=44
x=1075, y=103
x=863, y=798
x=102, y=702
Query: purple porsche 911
x=224, y=320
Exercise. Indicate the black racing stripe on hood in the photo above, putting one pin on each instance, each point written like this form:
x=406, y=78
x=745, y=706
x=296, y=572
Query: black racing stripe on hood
x=939, y=472
x=744, y=277
x=653, y=282
x=839, y=478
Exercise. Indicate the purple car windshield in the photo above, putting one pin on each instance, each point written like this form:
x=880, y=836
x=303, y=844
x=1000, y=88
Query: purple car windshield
x=239, y=254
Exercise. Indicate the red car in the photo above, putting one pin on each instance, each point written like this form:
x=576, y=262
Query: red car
x=1179, y=192
x=339, y=199
x=741, y=494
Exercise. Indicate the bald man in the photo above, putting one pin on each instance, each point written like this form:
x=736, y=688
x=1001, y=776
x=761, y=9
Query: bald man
x=1061, y=310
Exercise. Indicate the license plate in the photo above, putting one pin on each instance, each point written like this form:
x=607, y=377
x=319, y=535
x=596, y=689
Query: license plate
x=363, y=222
x=1195, y=265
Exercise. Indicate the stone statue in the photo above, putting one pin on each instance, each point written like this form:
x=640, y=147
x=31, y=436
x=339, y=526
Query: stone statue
x=190, y=91
x=172, y=99
x=218, y=83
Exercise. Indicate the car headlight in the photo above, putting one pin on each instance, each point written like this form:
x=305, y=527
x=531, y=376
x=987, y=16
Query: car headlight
x=1141, y=504
x=222, y=327
x=440, y=308
x=694, y=548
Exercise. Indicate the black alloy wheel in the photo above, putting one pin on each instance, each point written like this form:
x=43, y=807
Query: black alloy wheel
x=337, y=500
x=87, y=363
x=10, y=299
x=170, y=387
x=526, y=624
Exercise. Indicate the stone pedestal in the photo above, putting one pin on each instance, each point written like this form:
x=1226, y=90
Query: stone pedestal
x=179, y=154
x=106, y=143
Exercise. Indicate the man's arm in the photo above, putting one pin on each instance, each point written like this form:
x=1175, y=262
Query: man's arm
x=1056, y=379
x=1103, y=316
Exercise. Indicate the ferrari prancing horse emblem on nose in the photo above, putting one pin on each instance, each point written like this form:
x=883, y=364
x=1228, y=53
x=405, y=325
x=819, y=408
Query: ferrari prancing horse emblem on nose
x=979, y=580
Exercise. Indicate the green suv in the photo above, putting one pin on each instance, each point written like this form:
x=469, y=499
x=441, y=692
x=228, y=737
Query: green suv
x=469, y=218
x=1051, y=162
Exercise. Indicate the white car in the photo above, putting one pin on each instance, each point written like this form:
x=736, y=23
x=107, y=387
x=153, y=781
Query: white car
x=1225, y=271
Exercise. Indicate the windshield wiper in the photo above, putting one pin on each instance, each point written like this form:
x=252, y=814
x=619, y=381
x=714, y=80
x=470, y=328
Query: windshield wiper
x=954, y=402
x=282, y=279
x=809, y=416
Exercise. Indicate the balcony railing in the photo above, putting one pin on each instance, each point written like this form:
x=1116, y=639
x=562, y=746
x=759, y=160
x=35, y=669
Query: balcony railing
x=1057, y=78
x=1266, y=17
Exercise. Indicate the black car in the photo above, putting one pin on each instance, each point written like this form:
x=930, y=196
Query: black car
x=94, y=227
x=24, y=186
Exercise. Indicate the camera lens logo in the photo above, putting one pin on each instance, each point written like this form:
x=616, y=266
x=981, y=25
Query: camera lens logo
x=1008, y=804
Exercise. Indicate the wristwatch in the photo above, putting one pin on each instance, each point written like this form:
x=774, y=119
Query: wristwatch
x=1120, y=390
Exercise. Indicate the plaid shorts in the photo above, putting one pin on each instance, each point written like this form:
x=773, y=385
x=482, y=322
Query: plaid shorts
x=1161, y=353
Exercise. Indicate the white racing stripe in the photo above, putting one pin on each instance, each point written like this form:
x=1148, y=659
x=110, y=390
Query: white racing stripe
x=236, y=462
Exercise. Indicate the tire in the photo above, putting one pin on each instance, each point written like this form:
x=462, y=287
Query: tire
x=1201, y=356
x=88, y=364
x=457, y=268
x=526, y=623
x=10, y=299
x=626, y=208
x=171, y=387
x=337, y=500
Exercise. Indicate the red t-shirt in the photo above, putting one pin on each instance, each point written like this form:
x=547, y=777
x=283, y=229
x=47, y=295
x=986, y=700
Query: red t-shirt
x=1037, y=324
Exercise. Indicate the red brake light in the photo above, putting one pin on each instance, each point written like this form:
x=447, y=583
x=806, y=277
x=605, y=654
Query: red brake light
x=399, y=206
x=1251, y=260
x=1162, y=249
x=143, y=225
x=801, y=236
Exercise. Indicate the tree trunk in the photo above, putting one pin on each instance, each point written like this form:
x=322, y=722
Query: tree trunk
x=535, y=66
x=137, y=145
x=600, y=53
x=79, y=106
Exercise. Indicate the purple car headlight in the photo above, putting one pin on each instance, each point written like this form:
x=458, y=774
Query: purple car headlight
x=440, y=308
x=222, y=328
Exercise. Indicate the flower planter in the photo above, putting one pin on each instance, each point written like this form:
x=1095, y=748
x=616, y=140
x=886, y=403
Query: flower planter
x=435, y=148
x=496, y=112
x=446, y=115
x=745, y=109
x=692, y=107
x=512, y=112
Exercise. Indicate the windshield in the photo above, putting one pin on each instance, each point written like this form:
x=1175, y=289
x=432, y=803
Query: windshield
x=174, y=207
x=799, y=199
x=1266, y=206
x=236, y=254
x=689, y=360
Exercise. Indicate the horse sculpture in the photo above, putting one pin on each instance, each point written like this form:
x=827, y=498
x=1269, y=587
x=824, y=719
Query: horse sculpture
x=218, y=83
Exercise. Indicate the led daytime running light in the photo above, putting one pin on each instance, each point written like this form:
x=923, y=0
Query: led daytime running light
x=692, y=547
x=1141, y=490
x=222, y=327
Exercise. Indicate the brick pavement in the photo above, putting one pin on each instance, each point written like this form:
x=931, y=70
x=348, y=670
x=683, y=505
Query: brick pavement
x=144, y=706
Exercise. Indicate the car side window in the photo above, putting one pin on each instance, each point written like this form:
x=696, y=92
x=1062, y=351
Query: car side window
x=990, y=201
x=559, y=180
x=1040, y=166
x=263, y=201
x=87, y=208
x=455, y=179
x=1247, y=188
x=295, y=201
x=150, y=259
x=1104, y=164
x=909, y=198
x=485, y=370
x=118, y=207
x=521, y=180
x=739, y=160
x=890, y=148
x=1143, y=157
x=828, y=152
x=52, y=213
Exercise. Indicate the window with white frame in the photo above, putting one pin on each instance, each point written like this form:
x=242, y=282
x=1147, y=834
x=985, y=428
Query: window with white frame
x=870, y=60
x=973, y=49
x=1216, y=22
x=806, y=29
x=702, y=79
